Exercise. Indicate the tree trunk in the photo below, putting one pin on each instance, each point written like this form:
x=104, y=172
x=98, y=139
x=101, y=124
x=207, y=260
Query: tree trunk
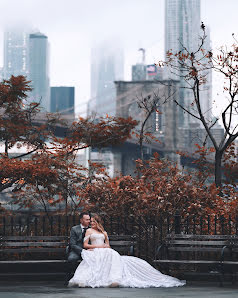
x=141, y=152
x=218, y=168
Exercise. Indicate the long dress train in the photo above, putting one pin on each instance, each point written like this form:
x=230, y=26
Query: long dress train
x=104, y=267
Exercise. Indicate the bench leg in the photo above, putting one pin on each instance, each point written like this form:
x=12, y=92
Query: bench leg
x=233, y=277
x=221, y=275
x=220, y=280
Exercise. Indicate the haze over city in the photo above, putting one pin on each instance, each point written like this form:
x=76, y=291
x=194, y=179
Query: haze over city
x=73, y=27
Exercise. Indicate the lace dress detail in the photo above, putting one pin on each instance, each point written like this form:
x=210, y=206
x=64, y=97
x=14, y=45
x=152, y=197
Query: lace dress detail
x=102, y=267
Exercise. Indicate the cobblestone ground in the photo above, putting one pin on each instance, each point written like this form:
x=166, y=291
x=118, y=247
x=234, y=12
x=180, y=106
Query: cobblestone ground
x=57, y=290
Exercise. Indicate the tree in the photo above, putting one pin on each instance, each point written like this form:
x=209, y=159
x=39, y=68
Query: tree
x=148, y=105
x=47, y=172
x=191, y=68
x=158, y=188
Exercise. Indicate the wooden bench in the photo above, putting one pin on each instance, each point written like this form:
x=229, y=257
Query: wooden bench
x=216, y=254
x=32, y=255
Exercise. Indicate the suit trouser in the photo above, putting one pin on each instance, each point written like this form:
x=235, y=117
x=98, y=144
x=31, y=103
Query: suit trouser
x=73, y=259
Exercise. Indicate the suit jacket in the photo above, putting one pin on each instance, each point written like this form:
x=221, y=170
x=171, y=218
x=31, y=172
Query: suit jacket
x=76, y=241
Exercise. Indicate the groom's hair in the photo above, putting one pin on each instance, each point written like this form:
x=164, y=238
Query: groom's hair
x=82, y=214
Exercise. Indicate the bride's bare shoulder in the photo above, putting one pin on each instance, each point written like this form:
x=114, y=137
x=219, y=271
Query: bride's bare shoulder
x=89, y=231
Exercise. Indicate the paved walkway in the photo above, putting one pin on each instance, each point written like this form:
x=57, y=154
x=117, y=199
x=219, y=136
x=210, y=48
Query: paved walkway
x=56, y=290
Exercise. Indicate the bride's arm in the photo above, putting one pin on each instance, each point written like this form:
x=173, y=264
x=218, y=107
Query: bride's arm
x=86, y=245
x=107, y=240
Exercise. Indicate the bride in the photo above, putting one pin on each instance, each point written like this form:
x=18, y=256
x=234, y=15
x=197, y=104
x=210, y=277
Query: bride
x=104, y=267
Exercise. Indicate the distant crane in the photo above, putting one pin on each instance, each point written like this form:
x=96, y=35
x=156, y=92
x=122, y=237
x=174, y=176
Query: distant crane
x=143, y=55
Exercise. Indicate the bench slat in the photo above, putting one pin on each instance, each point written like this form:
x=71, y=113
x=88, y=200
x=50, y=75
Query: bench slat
x=122, y=249
x=198, y=242
x=33, y=261
x=26, y=244
x=121, y=243
x=121, y=237
x=207, y=249
x=33, y=238
x=187, y=261
x=55, y=238
x=194, y=236
x=27, y=250
x=230, y=262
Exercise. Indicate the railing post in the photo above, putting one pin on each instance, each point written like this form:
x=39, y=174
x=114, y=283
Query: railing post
x=236, y=224
x=36, y=224
x=177, y=223
x=139, y=240
x=28, y=225
x=12, y=226
x=59, y=225
x=215, y=225
x=208, y=224
x=43, y=225
x=4, y=225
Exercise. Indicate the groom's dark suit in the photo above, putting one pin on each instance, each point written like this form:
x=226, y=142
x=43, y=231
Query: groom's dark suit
x=75, y=243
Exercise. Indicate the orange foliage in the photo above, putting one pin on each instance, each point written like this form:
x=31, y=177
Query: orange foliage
x=159, y=188
x=47, y=173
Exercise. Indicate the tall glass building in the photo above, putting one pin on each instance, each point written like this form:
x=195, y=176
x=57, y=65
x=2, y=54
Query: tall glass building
x=16, y=52
x=62, y=100
x=107, y=66
x=39, y=70
x=182, y=24
x=182, y=29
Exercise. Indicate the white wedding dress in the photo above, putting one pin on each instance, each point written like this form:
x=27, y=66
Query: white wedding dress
x=104, y=267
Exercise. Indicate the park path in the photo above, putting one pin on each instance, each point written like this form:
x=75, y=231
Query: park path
x=56, y=290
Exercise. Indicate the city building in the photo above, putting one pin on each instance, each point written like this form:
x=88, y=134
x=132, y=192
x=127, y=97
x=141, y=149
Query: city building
x=26, y=53
x=62, y=100
x=154, y=73
x=16, y=52
x=142, y=72
x=39, y=69
x=236, y=150
x=206, y=89
x=182, y=25
x=107, y=65
x=1, y=74
x=182, y=30
x=163, y=122
x=196, y=135
x=139, y=72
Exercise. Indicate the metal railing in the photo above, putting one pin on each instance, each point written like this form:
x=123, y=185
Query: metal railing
x=149, y=232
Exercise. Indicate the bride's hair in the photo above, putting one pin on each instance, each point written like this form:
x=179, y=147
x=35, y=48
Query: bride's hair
x=98, y=221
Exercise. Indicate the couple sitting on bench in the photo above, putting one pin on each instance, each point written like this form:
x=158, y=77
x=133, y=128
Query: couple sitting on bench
x=101, y=266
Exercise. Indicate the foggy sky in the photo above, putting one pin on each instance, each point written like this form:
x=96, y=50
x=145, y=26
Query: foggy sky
x=72, y=26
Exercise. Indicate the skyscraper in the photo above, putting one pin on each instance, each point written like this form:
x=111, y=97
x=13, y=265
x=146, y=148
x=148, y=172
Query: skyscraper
x=206, y=89
x=16, y=52
x=107, y=66
x=182, y=29
x=62, y=100
x=182, y=24
x=38, y=69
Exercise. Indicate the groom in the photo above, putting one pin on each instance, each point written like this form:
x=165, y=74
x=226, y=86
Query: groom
x=77, y=235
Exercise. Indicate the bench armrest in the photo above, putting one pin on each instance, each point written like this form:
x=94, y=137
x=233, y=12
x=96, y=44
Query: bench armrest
x=67, y=250
x=132, y=250
x=223, y=251
x=159, y=250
